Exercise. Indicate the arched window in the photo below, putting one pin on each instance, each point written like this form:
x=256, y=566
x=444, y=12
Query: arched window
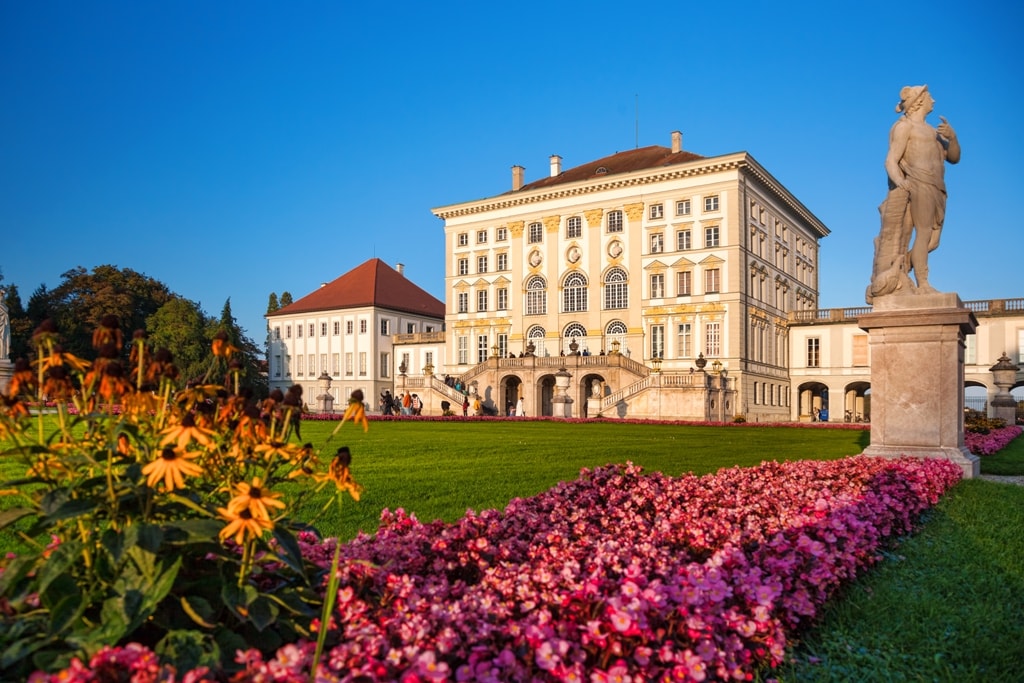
x=574, y=293
x=536, y=296
x=535, y=335
x=615, y=331
x=574, y=331
x=616, y=289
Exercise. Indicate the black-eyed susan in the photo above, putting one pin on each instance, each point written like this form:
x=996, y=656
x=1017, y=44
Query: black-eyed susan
x=59, y=358
x=108, y=332
x=222, y=346
x=172, y=465
x=186, y=432
x=23, y=382
x=242, y=525
x=276, y=449
x=356, y=411
x=342, y=476
x=256, y=498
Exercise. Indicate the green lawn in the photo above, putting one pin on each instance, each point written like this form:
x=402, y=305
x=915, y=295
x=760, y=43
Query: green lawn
x=946, y=604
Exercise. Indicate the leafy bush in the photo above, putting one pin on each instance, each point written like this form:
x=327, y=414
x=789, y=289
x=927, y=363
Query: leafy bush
x=977, y=422
x=157, y=523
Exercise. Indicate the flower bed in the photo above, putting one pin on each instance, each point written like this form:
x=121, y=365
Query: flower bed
x=992, y=442
x=614, y=576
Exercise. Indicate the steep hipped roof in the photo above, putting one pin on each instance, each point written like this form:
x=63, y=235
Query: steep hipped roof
x=374, y=283
x=639, y=159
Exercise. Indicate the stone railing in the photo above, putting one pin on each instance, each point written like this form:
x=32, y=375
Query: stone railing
x=850, y=315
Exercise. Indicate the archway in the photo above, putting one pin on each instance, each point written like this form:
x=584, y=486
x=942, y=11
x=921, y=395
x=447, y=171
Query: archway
x=585, y=390
x=812, y=401
x=545, y=392
x=976, y=396
x=857, y=402
x=510, y=387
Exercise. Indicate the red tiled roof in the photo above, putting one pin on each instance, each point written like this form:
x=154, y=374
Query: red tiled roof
x=374, y=283
x=639, y=159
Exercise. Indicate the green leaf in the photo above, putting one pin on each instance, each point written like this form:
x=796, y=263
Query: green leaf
x=262, y=613
x=291, y=554
x=62, y=615
x=57, y=564
x=198, y=609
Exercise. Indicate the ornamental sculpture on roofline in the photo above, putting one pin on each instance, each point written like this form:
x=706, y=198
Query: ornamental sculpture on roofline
x=915, y=208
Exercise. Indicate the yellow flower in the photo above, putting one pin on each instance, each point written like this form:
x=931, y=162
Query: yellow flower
x=341, y=476
x=171, y=466
x=255, y=498
x=185, y=432
x=355, y=411
x=241, y=524
x=286, y=451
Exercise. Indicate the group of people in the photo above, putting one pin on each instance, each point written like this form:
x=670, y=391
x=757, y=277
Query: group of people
x=406, y=404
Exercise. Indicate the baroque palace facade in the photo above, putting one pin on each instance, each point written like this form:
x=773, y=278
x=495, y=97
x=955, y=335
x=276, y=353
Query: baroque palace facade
x=650, y=283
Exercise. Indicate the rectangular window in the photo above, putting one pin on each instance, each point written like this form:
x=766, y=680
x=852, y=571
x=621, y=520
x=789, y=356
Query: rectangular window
x=814, y=352
x=312, y=330
x=684, y=340
x=362, y=363
x=323, y=363
x=658, y=286
x=300, y=365
x=385, y=364
x=463, y=299
x=574, y=227
x=335, y=364
x=712, y=280
x=536, y=233
x=1020, y=347
x=410, y=328
x=614, y=221
x=712, y=339
x=277, y=365
x=277, y=332
x=428, y=358
x=481, y=237
x=348, y=327
x=970, y=349
x=711, y=236
x=657, y=243
x=711, y=203
x=683, y=207
x=501, y=235
x=860, y=350
x=684, y=283
x=481, y=264
x=323, y=329
x=502, y=345
x=463, y=266
x=755, y=393
x=348, y=364
x=337, y=328
x=683, y=241
x=298, y=331
x=362, y=326
x=312, y=365
x=481, y=300
x=287, y=331
x=463, y=350
x=463, y=239
x=385, y=326
x=657, y=211
x=503, y=298
x=481, y=348
x=502, y=261
x=657, y=341
x=405, y=362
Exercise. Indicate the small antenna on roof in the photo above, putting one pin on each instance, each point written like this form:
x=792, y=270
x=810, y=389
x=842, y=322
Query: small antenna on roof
x=636, y=108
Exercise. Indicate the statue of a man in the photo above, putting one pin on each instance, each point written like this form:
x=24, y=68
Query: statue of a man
x=915, y=207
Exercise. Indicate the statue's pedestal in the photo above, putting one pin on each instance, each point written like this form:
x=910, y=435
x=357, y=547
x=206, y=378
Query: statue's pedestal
x=6, y=372
x=917, y=377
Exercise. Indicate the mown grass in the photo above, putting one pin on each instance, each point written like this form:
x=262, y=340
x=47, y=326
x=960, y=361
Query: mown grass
x=946, y=604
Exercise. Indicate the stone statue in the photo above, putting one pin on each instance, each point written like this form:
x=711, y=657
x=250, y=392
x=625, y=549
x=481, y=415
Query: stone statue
x=595, y=388
x=5, y=328
x=916, y=204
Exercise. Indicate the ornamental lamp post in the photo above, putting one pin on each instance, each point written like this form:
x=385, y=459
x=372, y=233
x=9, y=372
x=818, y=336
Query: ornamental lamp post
x=615, y=347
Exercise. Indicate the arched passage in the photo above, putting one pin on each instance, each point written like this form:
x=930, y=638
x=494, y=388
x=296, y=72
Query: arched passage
x=545, y=391
x=510, y=388
x=857, y=402
x=812, y=399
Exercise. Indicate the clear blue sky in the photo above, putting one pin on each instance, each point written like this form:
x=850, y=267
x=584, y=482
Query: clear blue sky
x=232, y=149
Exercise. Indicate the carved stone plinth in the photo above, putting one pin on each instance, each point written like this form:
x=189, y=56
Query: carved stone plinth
x=917, y=377
x=6, y=372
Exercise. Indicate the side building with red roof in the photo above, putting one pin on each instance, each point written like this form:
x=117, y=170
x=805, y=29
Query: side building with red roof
x=341, y=336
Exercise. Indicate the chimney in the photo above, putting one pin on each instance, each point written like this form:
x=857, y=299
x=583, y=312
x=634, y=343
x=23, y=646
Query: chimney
x=322, y=285
x=400, y=267
x=677, y=142
x=556, y=165
x=517, y=177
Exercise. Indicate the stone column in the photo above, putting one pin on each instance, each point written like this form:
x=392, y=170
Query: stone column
x=917, y=377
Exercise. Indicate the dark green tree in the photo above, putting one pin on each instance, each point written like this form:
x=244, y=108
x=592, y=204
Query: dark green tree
x=182, y=328
x=272, y=304
x=286, y=299
x=253, y=374
x=21, y=325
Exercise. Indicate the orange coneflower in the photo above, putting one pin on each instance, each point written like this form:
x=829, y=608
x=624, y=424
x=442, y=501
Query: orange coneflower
x=171, y=466
x=255, y=498
x=23, y=382
x=222, y=346
x=57, y=383
x=340, y=474
x=187, y=431
x=286, y=451
x=161, y=366
x=356, y=411
x=59, y=358
x=242, y=524
x=108, y=332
